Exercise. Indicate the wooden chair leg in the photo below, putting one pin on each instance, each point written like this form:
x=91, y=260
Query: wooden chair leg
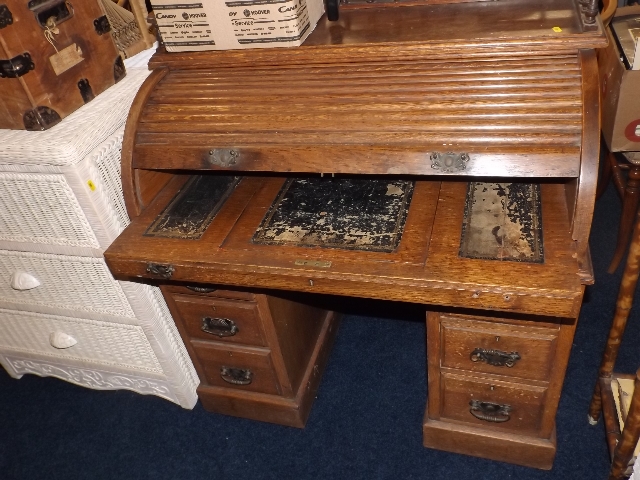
x=629, y=209
x=623, y=307
x=616, y=174
x=630, y=435
x=605, y=175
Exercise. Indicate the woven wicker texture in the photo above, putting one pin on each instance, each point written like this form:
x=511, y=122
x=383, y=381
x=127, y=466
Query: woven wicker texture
x=107, y=163
x=42, y=209
x=33, y=219
x=86, y=374
x=82, y=284
x=124, y=29
x=153, y=316
x=61, y=205
x=104, y=343
x=141, y=60
x=72, y=140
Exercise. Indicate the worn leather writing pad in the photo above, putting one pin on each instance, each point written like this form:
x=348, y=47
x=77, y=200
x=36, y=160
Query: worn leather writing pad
x=502, y=221
x=356, y=214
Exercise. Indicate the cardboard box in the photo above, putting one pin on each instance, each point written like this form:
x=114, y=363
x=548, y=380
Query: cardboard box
x=226, y=25
x=620, y=90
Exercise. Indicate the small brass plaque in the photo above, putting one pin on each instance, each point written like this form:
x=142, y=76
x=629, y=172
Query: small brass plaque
x=314, y=263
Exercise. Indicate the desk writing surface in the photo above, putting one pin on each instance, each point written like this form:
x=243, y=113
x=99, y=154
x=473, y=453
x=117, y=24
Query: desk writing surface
x=425, y=268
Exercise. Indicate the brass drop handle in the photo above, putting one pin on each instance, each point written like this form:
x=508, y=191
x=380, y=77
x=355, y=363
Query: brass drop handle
x=202, y=289
x=236, y=376
x=496, y=358
x=160, y=270
x=490, y=412
x=222, y=327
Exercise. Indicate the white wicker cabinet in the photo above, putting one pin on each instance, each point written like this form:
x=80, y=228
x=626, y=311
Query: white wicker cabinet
x=62, y=314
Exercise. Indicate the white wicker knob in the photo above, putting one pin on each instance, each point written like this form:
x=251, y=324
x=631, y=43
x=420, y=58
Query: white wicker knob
x=61, y=340
x=23, y=281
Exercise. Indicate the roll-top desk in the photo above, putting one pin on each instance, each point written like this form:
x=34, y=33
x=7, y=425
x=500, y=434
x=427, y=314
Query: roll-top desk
x=443, y=154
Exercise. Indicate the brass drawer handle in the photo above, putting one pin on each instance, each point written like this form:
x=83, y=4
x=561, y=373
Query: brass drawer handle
x=236, y=376
x=222, y=327
x=202, y=289
x=490, y=412
x=497, y=358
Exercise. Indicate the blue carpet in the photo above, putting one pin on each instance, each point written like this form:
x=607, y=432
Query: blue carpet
x=365, y=423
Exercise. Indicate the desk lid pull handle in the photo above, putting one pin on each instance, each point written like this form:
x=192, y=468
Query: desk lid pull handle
x=490, y=412
x=222, y=327
x=449, y=162
x=497, y=358
x=236, y=376
x=223, y=157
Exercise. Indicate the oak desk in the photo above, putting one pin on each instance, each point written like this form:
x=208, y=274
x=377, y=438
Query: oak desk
x=434, y=104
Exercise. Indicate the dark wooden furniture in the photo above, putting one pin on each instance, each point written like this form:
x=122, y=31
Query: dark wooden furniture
x=54, y=58
x=621, y=443
x=628, y=187
x=621, y=145
x=379, y=96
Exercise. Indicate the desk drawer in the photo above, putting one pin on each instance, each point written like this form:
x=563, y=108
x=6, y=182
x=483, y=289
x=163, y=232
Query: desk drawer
x=496, y=404
x=516, y=350
x=233, y=367
x=206, y=290
x=216, y=319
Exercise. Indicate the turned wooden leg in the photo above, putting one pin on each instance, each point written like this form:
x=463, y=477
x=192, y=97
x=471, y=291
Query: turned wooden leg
x=624, y=450
x=629, y=208
x=605, y=175
x=623, y=306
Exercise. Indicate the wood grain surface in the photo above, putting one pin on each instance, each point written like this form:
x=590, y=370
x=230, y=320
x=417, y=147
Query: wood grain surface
x=480, y=29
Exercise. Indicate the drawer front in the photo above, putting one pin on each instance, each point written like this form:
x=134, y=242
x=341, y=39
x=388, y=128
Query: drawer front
x=82, y=284
x=497, y=405
x=520, y=351
x=212, y=291
x=221, y=320
x=243, y=369
x=42, y=209
x=101, y=343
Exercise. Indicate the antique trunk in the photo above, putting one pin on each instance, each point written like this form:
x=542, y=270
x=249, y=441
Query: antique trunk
x=451, y=167
x=55, y=56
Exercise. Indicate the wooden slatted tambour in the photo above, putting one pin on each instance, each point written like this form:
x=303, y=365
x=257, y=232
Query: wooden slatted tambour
x=511, y=117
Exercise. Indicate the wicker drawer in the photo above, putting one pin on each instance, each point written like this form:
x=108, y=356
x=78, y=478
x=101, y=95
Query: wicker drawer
x=516, y=350
x=239, y=368
x=525, y=403
x=82, y=284
x=65, y=209
x=42, y=208
x=221, y=320
x=101, y=343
